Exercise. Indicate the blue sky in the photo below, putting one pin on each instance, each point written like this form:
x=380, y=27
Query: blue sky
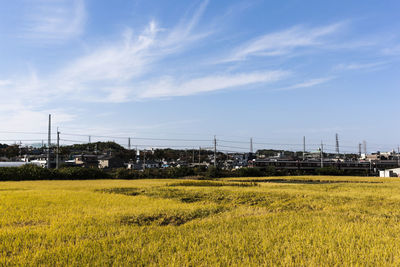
x=272, y=70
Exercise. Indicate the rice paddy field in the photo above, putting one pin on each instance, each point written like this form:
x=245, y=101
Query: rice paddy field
x=290, y=221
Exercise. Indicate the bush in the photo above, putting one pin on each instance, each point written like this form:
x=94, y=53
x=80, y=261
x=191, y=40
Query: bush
x=212, y=172
x=250, y=172
x=329, y=171
x=122, y=173
x=25, y=172
x=72, y=173
x=33, y=172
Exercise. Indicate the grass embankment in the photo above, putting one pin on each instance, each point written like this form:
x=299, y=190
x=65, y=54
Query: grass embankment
x=270, y=221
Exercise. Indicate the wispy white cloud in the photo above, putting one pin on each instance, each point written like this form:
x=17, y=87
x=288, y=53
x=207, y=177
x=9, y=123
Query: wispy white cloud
x=4, y=83
x=54, y=21
x=183, y=32
x=18, y=115
x=126, y=69
x=116, y=62
x=283, y=42
x=360, y=66
x=112, y=71
x=167, y=86
x=307, y=83
x=392, y=51
x=115, y=69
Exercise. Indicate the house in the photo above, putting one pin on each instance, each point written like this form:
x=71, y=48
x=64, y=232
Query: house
x=15, y=164
x=87, y=161
x=107, y=162
x=39, y=160
x=143, y=165
x=4, y=159
x=390, y=173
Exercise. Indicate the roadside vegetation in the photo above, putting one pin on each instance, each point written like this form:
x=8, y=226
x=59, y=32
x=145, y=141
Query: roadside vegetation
x=305, y=220
x=33, y=172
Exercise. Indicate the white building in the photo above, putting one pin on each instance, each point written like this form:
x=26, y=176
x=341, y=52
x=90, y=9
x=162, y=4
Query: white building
x=390, y=173
x=16, y=164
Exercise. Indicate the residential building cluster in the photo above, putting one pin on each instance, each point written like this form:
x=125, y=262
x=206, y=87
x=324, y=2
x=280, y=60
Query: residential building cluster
x=384, y=163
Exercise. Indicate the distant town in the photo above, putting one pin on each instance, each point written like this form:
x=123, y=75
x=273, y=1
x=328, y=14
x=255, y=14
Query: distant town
x=110, y=155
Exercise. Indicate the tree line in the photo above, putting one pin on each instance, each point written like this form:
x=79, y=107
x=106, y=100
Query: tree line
x=33, y=172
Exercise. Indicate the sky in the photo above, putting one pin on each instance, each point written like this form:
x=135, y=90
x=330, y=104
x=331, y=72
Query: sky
x=272, y=70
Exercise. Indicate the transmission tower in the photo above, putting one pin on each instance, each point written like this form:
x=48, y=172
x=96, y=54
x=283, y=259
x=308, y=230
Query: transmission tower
x=337, y=144
x=49, y=143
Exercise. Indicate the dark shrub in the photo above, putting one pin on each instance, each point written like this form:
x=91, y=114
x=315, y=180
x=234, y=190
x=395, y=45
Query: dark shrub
x=329, y=171
x=250, y=172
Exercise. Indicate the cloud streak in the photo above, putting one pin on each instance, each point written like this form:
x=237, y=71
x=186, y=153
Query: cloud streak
x=360, y=66
x=283, y=42
x=307, y=84
x=55, y=21
x=167, y=86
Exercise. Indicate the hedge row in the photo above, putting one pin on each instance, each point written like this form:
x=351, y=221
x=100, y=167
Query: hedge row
x=32, y=172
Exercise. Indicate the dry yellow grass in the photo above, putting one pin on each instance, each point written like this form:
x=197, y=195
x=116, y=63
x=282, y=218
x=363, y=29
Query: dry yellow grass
x=297, y=221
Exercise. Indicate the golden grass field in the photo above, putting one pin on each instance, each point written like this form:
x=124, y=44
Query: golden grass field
x=291, y=221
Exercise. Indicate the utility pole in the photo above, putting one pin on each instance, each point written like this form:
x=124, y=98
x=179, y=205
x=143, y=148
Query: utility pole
x=58, y=150
x=144, y=159
x=129, y=143
x=137, y=155
x=90, y=139
x=359, y=150
x=398, y=156
x=304, y=148
x=251, y=145
x=49, y=143
x=186, y=156
x=322, y=155
x=215, y=151
x=199, y=155
x=193, y=156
